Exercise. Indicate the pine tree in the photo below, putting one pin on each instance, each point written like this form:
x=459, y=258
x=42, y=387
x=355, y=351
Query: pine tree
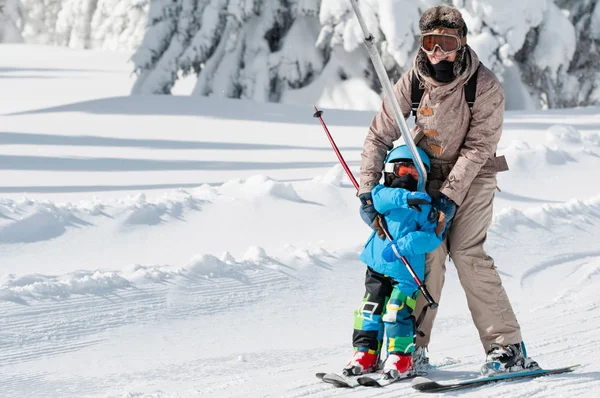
x=161, y=76
x=40, y=26
x=118, y=24
x=73, y=23
x=544, y=51
x=12, y=19
x=585, y=17
x=162, y=26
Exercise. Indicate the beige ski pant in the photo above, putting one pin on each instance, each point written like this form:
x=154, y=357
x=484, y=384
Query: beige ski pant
x=487, y=300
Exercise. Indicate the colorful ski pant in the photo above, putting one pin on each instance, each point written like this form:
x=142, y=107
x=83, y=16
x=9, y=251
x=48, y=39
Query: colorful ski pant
x=384, y=308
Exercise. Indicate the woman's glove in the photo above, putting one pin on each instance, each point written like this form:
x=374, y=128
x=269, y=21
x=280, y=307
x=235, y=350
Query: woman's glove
x=447, y=210
x=369, y=215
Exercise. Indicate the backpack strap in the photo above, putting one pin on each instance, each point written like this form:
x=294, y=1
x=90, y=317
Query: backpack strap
x=416, y=93
x=471, y=89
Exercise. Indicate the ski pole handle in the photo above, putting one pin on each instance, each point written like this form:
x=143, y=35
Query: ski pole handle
x=318, y=114
x=430, y=302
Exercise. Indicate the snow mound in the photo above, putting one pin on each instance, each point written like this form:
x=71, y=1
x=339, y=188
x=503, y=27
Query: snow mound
x=151, y=213
x=52, y=287
x=260, y=186
x=145, y=211
x=227, y=266
x=335, y=176
x=524, y=158
x=210, y=266
x=561, y=144
x=574, y=212
x=256, y=255
x=593, y=139
x=152, y=273
x=563, y=134
x=20, y=288
x=29, y=222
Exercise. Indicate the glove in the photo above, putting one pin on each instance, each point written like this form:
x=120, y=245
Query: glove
x=414, y=199
x=447, y=210
x=392, y=252
x=370, y=216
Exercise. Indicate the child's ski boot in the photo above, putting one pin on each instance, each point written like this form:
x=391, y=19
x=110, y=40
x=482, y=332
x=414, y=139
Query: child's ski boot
x=398, y=366
x=361, y=363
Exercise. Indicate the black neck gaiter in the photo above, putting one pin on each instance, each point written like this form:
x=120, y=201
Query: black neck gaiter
x=443, y=71
x=407, y=182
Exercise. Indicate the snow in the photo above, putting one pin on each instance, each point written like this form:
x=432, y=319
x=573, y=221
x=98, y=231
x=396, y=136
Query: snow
x=510, y=19
x=557, y=41
x=150, y=241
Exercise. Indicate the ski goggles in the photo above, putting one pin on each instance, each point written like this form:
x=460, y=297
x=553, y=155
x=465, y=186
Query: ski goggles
x=445, y=42
x=401, y=169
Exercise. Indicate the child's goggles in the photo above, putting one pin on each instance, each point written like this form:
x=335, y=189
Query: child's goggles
x=402, y=169
x=445, y=42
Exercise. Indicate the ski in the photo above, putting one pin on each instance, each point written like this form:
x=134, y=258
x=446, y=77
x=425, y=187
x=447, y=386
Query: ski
x=338, y=380
x=424, y=384
x=368, y=381
x=374, y=379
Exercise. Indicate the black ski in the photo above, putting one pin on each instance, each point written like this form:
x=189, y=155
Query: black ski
x=426, y=385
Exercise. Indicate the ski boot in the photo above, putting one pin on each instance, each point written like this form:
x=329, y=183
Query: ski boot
x=361, y=363
x=397, y=366
x=420, y=360
x=507, y=358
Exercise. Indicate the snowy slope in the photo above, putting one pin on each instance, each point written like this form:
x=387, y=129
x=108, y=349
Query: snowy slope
x=149, y=242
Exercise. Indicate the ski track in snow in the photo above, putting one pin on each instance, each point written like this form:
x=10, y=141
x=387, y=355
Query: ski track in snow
x=44, y=323
x=51, y=319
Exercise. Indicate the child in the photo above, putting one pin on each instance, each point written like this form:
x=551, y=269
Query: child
x=390, y=289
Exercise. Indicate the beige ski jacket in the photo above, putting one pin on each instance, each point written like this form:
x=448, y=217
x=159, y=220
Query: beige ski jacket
x=461, y=145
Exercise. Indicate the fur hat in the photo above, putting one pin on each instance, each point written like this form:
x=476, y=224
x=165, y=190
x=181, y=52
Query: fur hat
x=449, y=18
x=443, y=17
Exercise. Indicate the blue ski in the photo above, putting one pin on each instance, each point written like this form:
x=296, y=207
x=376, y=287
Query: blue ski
x=427, y=385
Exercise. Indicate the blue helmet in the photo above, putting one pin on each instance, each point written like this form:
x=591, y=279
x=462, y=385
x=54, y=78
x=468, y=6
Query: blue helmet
x=402, y=153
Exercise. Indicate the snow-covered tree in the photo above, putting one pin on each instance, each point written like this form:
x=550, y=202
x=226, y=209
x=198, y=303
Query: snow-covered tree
x=11, y=21
x=583, y=83
x=312, y=51
x=545, y=52
x=41, y=17
x=108, y=24
x=118, y=24
x=160, y=42
x=274, y=50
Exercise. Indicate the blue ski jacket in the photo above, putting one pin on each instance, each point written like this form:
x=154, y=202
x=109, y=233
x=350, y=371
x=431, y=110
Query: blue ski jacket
x=414, y=231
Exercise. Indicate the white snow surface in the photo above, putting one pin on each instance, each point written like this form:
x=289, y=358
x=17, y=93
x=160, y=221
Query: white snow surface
x=176, y=246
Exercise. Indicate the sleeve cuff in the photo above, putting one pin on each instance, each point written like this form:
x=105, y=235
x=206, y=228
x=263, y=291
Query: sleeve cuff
x=365, y=188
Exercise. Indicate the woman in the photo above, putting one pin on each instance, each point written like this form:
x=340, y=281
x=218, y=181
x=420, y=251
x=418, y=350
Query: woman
x=461, y=143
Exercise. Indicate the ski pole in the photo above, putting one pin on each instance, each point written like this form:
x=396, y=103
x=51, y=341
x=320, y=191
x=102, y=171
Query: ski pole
x=388, y=90
x=430, y=301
